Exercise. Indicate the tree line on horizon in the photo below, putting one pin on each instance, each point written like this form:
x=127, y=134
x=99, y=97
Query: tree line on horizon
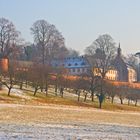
x=49, y=44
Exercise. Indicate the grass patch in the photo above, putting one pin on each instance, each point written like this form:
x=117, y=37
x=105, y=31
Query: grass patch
x=4, y=95
x=119, y=107
x=69, y=99
x=4, y=98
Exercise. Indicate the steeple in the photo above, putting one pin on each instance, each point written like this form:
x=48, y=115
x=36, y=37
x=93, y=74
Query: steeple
x=119, y=50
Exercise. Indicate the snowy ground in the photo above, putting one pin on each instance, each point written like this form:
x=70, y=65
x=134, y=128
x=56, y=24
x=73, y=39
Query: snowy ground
x=60, y=122
x=55, y=122
x=68, y=132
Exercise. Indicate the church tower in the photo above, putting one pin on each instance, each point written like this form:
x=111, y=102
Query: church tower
x=121, y=66
x=119, y=50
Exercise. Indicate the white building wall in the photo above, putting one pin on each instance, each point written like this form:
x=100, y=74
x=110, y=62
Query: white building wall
x=132, y=75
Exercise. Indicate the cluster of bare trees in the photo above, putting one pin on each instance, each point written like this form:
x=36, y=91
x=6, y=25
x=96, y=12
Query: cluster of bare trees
x=122, y=92
x=48, y=44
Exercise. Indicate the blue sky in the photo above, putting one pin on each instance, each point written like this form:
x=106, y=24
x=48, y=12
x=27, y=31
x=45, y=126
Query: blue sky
x=79, y=21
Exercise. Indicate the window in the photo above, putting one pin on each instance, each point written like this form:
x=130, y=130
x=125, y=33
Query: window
x=78, y=70
x=73, y=70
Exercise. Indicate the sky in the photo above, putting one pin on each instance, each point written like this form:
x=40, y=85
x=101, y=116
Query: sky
x=79, y=21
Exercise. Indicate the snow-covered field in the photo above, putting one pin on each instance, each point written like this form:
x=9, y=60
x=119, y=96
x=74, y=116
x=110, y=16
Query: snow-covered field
x=68, y=132
x=62, y=122
x=55, y=122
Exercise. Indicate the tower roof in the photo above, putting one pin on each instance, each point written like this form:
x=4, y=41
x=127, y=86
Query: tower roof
x=119, y=50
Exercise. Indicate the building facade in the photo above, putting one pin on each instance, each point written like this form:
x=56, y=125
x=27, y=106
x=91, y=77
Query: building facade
x=132, y=74
x=74, y=65
x=125, y=72
x=120, y=71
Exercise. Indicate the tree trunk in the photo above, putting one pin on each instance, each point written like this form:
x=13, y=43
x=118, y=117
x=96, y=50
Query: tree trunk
x=56, y=89
x=112, y=99
x=41, y=89
x=9, y=90
x=46, y=88
x=78, y=96
x=85, y=97
x=128, y=101
x=92, y=96
x=136, y=102
x=26, y=83
x=0, y=86
x=121, y=100
x=43, y=54
x=35, y=91
x=21, y=85
x=61, y=91
x=92, y=90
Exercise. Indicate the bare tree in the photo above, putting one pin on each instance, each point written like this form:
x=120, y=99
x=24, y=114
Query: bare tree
x=111, y=91
x=8, y=77
x=94, y=84
x=46, y=36
x=123, y=91
x=60, y=80
x=102, y=50
x=8, y=37
x=35, y=77
x=135, y=95
x=23, y=72
x=81, y=84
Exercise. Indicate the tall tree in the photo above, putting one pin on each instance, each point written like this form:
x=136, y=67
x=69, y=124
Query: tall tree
x=102, y=50
x=8, y=37
x=46, y=36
